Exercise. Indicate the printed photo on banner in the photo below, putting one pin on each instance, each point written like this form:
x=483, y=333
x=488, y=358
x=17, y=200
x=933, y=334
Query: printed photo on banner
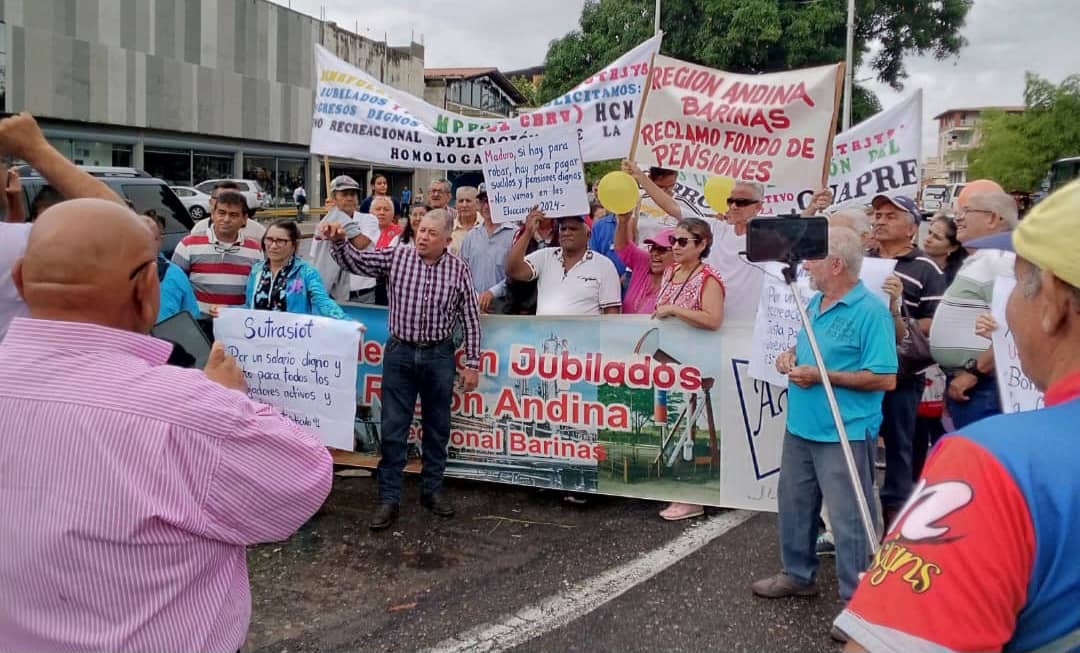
x=1018, y=393
x=773, y=128
x=625, y=406
x=303, y=365
x=358, y=117
x=544, y=171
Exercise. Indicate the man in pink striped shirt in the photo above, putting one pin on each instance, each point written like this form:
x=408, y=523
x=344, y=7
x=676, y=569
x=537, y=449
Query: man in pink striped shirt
x=129, y=489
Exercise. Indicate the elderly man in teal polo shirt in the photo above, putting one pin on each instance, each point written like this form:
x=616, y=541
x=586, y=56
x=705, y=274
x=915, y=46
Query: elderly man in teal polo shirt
x=855, y=333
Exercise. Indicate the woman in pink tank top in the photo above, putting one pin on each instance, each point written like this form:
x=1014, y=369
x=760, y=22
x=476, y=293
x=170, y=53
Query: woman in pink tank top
x=694, y=293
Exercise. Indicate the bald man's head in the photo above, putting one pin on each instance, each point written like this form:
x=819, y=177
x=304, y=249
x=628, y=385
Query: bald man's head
x=90, y=260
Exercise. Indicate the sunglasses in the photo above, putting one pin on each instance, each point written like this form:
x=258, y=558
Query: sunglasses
x=683, y=241
x=740, y=202
x=659, y=249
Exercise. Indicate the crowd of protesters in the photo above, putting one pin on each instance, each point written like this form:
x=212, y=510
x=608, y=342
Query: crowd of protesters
x=438, y=268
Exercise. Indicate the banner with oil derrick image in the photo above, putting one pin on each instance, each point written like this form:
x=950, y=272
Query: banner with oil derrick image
x=619, y=405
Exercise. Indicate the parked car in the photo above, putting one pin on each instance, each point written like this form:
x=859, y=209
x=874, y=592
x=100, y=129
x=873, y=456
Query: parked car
x=196, y=201
x=145, y=192
x=954, y=196
x=935, y=197
x=257, y=198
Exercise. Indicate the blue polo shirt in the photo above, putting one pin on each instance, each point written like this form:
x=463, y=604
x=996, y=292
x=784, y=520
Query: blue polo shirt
x=603, y=240
x=856, y=333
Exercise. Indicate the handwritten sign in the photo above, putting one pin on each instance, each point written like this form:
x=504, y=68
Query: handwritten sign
x=544, y=171
x=1018, y=393
x=303, y=365
x=771, y=129
x=777, y=323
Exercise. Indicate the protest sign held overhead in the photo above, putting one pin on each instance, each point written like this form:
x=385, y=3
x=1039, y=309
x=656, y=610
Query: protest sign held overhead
x=305, y=366
x=358, y=117
x=773, y=128
x=543, y=171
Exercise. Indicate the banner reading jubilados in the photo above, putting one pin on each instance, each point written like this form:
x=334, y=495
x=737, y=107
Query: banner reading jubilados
x=632, y=407
x=773, y=128
x=358, y=117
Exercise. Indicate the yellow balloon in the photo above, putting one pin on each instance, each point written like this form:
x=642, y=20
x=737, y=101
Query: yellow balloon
x=617, y=192
x=717, y=190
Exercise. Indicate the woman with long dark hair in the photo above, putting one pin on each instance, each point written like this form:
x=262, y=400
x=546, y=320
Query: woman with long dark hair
x=942, y=245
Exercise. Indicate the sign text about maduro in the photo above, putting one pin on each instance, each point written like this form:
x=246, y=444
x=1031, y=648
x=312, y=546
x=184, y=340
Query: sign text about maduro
x=544, y=171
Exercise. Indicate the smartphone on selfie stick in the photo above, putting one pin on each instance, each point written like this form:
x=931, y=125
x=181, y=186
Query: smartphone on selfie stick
x=791, y=240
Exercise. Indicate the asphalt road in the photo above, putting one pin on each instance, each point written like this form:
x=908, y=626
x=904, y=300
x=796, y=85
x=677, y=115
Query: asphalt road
x=335, y=586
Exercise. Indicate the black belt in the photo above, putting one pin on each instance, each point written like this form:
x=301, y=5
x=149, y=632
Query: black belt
x=421, y=345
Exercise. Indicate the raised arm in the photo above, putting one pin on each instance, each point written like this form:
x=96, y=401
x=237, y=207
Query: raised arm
x=374, y=263
x=21, y=137
x=516, y=267
x=666, y=202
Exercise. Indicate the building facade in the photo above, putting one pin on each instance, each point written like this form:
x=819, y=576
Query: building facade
x=958, y=134
x=186, y=89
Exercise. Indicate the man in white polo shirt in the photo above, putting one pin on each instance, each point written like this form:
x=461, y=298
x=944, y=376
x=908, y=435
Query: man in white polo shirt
x=743, y=280
x=571, y=279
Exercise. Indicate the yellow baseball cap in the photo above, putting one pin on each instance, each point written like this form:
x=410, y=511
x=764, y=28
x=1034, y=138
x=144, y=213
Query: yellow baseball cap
x=1046, y=235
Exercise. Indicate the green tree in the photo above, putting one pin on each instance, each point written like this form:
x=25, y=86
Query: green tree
x=525, y=86
x=638, y=400
x=1016, y=149
x=755, y=36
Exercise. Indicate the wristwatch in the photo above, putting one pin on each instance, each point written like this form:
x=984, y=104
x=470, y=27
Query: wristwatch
x=971, y=366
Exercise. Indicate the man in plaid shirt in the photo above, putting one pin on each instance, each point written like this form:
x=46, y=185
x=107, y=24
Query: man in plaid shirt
x=430, y=290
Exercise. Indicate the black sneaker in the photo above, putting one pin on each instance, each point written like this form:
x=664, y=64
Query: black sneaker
x=438, y=504
x=384, y=515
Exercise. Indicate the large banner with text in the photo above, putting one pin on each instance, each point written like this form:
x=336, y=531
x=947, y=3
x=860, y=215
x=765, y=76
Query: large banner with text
x=624, y=406
x=879, y=155
x=773, y=129
x=358, y=117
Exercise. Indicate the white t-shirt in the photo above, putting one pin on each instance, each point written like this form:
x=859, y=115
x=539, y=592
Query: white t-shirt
x=743, y=282
x=13, y=238
x=586, y=289
x=652, y=219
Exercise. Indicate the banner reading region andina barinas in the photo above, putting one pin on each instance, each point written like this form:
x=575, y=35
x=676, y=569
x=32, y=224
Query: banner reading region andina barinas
x=357, y=117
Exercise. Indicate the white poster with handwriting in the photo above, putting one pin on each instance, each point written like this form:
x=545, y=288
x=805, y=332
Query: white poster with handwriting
x=544, y=171
x=303, y=365
x=1018, y=393
x=777, y=323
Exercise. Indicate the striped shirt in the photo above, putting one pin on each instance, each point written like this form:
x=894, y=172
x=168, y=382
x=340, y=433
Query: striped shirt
x=128, y=491
x=218, y=272
x=969, y=295
x=426, y=300
x=923, y=281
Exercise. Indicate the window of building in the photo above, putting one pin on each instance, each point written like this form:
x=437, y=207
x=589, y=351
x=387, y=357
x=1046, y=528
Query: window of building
x=290, y=174
x=211, y=166
x=96, y=153
x=174, y=166
x=261, y=169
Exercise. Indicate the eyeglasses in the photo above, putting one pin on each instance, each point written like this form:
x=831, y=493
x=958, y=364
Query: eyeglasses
x=962, y=212
x=658, y=249
x=741, y=202
x=136, y=271
x=683, y=241
x=277, y=241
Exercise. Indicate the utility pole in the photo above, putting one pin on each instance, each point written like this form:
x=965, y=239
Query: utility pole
x=849, y=67
x=656, y=20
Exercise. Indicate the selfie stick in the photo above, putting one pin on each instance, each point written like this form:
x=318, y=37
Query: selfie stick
x=853, y=472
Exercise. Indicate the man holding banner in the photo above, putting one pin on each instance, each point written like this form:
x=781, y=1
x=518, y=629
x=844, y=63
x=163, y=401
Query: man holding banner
x=431, y=291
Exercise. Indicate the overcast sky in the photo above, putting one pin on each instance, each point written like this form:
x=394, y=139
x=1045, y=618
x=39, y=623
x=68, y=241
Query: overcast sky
x=1006, y=37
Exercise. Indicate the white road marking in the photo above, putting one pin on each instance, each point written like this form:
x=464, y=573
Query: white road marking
x=582, y=598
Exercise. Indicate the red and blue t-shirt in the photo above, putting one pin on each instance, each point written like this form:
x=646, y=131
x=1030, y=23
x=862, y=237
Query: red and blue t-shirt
x=985, y=556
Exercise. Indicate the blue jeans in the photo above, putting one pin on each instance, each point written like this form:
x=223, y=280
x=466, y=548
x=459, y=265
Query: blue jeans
x=809, y=472
x=898, y=410
x=409, y=371
x=983, y=401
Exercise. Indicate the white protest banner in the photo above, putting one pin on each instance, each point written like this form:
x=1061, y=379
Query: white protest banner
x=773, y=128
x=879, y=155
x=305, y=366
x=1018, y=393
x=777, y=323
x=544, y=171
x=358, y=117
